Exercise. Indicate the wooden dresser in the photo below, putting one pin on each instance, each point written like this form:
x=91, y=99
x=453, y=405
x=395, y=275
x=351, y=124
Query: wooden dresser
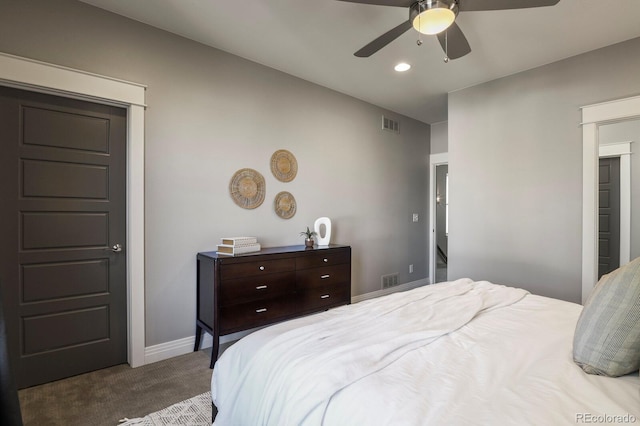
x=240, y=292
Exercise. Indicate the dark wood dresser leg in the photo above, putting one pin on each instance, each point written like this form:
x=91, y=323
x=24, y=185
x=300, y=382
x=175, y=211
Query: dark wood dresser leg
x=214, y=350
x=198, y=338
x=214, y=412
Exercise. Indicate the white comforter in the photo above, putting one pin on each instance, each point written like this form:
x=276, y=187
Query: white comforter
x=456, y=353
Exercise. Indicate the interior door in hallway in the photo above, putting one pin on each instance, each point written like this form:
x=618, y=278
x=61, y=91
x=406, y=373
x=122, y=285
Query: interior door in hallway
x=62, y=229
x=609, y=215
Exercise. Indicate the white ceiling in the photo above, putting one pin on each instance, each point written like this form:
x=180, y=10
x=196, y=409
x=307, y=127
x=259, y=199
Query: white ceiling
x=315, y=40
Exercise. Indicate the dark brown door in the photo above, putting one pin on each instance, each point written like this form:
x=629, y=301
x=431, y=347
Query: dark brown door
x=63, y=192
x=609, y=216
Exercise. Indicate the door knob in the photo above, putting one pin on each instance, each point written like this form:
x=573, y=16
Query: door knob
x=117, y=248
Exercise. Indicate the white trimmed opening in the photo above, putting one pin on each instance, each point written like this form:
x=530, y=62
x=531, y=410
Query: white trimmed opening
x=36, y=76
x=434, y=160
x=594, y=116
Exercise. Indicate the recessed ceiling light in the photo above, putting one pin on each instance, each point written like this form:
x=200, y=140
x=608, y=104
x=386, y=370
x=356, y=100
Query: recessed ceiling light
x=402, y=67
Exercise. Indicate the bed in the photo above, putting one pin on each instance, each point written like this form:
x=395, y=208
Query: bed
x=456, y=353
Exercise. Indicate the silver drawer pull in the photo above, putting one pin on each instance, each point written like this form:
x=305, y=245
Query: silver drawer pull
x=262, y=268
x=261, y=287
x=261, y=310
x=324, y=276
x=325, y=260
x=324, y=296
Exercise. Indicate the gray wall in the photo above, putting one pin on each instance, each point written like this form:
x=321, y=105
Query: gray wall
x=515, y=169
x=211, y=113
x=439, y=137
x=628, y=131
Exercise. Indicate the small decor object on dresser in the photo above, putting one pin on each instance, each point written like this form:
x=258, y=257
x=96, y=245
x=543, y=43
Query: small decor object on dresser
x=239, y=241
x=323, y=239
x=247, y=188
x=309, y=234
x=284, y=165
x=285, y=205
x=230, y=250
x=238, y=245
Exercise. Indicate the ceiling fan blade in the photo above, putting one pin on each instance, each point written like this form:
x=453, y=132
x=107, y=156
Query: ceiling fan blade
x=383, y=40
x=397, y=3
x=453, y=42
x=477, y=5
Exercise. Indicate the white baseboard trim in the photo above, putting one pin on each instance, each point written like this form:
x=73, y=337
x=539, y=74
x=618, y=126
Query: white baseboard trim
x=174, y=348
x=383, y=292
x=184, y=346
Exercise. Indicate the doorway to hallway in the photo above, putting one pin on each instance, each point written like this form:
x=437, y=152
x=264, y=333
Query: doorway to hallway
x=438, y=217
x=442, y=221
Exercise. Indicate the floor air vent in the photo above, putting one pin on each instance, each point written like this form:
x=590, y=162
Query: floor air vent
x=390, y=280
x=390, y=125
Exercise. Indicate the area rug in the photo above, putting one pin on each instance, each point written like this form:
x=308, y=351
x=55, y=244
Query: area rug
x=194, y=411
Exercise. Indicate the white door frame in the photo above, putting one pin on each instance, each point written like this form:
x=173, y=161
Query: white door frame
x=434, y=160
x=53, y=79
x=594, y=116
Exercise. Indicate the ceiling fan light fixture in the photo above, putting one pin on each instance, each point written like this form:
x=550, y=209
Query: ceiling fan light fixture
x=433, y=16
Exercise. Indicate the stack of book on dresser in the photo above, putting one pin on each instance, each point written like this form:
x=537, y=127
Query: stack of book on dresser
x=238, y=245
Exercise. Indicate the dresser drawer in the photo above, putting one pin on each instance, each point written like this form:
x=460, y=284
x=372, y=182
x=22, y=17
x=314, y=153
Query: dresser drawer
x=327, y=275
x=256, y=287
x=324, y=258
x=254, y=314
x=256, y=268
x=325, y=297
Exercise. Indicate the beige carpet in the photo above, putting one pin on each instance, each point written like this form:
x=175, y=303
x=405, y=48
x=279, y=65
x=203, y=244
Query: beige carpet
x=104, y=397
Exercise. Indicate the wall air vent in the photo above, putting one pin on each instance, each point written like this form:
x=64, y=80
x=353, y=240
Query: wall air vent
x=390, y=125
x=390, y=280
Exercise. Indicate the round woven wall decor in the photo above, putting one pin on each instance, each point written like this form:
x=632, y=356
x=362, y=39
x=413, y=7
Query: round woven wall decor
x=284, y=165
x=285, y=205
x=247, y=188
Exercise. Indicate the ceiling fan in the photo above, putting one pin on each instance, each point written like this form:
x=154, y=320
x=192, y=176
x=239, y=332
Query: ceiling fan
x=438, y=17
